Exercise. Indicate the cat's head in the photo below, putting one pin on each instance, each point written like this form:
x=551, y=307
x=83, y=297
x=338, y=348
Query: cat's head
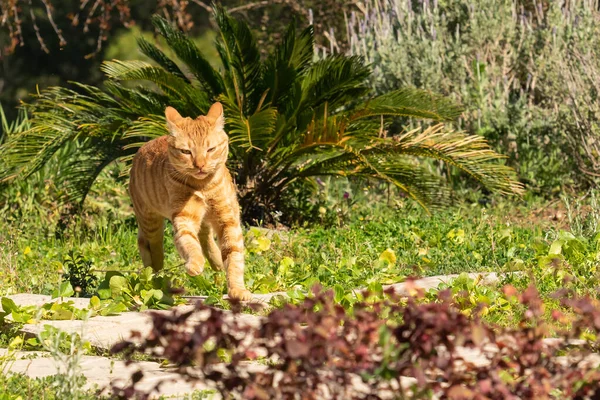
x=197, y=147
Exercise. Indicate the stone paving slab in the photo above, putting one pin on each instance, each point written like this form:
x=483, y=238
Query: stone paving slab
x=102, y=371
x=38, y=300
x=101, y=332
x=104, y=331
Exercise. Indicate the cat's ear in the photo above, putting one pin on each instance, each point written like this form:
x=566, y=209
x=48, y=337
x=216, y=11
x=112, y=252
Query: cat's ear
x=173, y=117
x=215, y=115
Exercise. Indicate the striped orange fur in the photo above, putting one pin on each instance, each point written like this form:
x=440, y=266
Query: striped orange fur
x=182, y=176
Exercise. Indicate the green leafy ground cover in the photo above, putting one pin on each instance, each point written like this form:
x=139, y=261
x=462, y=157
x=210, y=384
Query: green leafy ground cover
x=371, y=243
x=366, y=236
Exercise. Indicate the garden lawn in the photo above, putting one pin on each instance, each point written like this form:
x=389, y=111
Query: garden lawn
x=372, y=242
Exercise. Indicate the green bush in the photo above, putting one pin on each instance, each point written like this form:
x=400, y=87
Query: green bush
x=527, y=73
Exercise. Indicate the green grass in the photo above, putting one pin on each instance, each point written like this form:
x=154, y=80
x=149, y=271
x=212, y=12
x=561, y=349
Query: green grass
x=355, y=253
x=373, y=237
x=22, y=387
x=462, y=238
x=18, y=386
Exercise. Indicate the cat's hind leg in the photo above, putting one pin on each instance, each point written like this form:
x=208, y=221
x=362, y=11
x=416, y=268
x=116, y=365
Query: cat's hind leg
x=150, y=241
x=209, y=247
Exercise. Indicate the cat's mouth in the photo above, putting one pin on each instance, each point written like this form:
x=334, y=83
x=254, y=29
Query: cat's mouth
x=200, y=174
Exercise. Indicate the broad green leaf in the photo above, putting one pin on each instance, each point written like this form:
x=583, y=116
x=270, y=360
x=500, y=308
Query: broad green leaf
x=95, y=302
x=296, y=295
x=339, y=293
x=113, y=308
x=151, y=296
x=267, y=284
x=118, y=285
x=264, y=243
x=16, y=343
x=457, y=236
x=311, y=281
x=212, y=300
x=287, y=262
x=82, y=313
x=158, y=294
x=22, y=317
x=104, y=293
x=200, y=282
x=64, y=290
x=388, y=256
x=556, y=247
x=550, y=260
x=505, y=236
x=376, y=288
x=60, y=312
x=8, y=305
x=539, y=246
x=146, y=274
x=104, y=290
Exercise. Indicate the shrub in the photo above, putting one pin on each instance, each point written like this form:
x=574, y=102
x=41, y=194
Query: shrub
x=526, y=72
x=317, y=349
x=289, y=119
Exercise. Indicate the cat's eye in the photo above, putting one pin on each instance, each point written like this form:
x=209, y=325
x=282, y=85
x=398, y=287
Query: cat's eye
x=185, y=151
x=210, y=150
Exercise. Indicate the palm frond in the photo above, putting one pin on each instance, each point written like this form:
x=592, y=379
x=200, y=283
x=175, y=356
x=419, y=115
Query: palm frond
x=170, y=84
x=419, y=184
x=241, y=58
x=79, y=173
x=335, y=80
x=286, y=64
x=193, y=58
x=138, y=101
x=251, y=132
x=469, y=153
x=409, y=102
x=160, y=58
x=62, y=117
x=19, y=124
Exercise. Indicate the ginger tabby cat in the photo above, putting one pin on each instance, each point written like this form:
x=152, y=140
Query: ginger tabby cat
x=182, y=176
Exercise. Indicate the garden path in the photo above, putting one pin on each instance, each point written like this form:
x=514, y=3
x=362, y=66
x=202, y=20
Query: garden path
x=104, y=331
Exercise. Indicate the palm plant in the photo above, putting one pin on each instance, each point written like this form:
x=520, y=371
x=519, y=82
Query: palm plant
x=289, y=119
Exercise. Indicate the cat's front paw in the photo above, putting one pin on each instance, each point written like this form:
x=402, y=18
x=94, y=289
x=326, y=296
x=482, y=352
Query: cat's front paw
x=240, y=294
x=194, y=268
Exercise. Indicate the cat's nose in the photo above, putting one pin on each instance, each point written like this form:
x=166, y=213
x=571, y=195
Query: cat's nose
x=200, y=166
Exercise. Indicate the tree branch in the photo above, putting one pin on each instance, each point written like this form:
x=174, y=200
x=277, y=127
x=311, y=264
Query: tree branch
x=62, y=40
x=37, y=29
x=203, y=5
x=238, y=8
x=252, y=5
